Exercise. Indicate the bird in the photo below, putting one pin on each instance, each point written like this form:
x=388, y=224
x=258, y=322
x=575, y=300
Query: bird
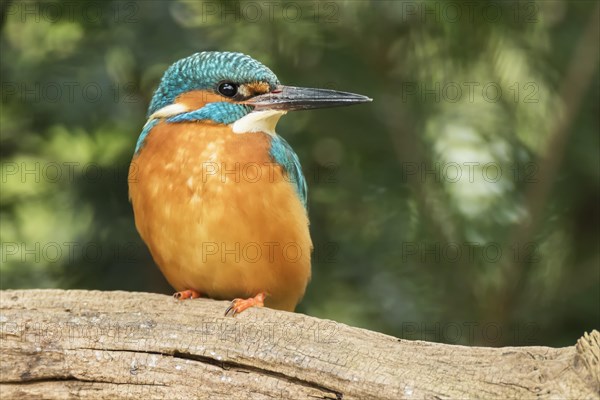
x=218, y=197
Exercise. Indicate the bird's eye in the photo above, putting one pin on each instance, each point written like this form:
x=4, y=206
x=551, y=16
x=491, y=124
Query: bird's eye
x=228, y=89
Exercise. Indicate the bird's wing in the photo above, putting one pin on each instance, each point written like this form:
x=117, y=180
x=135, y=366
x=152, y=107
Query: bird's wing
x=283, y=154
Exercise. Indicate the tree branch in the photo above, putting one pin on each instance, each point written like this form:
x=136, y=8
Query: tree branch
x=100, y=345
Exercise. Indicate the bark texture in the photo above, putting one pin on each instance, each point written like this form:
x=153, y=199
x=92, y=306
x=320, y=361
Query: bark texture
x=104, y=345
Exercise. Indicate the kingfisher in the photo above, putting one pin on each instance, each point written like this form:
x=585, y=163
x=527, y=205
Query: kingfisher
x=218, y=197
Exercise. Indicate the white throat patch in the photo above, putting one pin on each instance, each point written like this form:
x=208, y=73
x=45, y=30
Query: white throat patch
x=258, y=121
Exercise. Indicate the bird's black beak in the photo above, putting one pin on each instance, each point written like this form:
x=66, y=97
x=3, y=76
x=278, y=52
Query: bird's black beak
x=290, y=98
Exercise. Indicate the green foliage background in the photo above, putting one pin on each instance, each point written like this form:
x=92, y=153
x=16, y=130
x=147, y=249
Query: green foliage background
x=401, y=245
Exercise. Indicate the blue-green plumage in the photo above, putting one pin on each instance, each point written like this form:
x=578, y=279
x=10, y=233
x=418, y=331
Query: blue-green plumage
x=222, y=113
x=147, y=128
x=204, y=71
x=283, y=154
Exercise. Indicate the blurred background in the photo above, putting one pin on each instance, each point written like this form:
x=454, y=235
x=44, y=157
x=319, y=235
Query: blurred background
x=460, y=206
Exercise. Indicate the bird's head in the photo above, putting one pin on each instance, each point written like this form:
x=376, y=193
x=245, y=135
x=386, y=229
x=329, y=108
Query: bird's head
x=233, y=88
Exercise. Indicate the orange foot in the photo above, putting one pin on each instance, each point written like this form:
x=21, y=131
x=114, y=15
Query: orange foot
x=239, y=305
x=187, y=294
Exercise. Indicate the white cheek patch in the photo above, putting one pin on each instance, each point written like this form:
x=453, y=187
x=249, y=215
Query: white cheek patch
x=169, y=111
x=258, y=121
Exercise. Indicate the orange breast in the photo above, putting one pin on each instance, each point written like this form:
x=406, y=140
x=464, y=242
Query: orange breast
x=218, y=215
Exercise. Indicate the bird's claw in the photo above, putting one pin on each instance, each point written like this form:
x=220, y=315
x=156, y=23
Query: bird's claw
x=239, y=305
x=231, y=308
x=186, y=294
